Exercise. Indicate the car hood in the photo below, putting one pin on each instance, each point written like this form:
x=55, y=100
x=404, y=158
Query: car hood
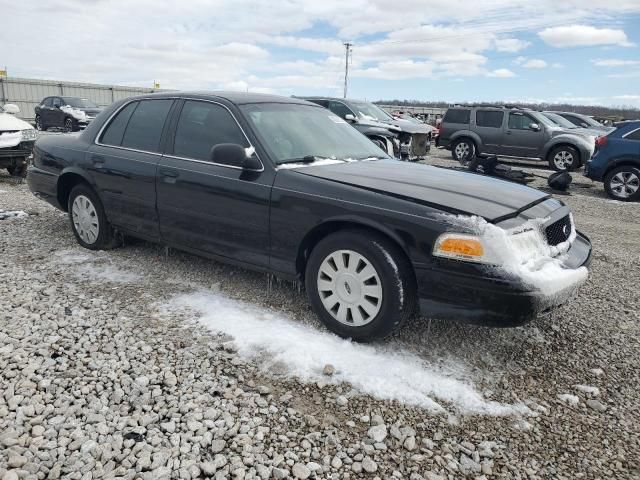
x=92, y=111
x=11, y=123
x=448, y=190
x=410, y=127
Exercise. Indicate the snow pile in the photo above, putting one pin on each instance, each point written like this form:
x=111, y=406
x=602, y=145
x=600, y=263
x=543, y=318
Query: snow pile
x=387, y=372
x=568, y=398
x=524, y=253
x=10, y=139
x=5, y=214
x=94, y=266
x=74, y=112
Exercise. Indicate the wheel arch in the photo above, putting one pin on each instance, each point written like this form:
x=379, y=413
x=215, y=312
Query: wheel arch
x=549, y=148
x=66, y=182
x=323, y=230
x=474, y=137
x=621, y=162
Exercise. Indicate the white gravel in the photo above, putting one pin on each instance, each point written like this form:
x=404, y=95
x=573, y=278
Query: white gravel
x=99, y=378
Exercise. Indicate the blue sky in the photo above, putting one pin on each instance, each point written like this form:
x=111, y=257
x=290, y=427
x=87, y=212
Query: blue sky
x=576, y=51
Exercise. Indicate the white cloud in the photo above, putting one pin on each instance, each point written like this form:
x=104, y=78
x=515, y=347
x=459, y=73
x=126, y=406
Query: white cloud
x=631, y=74
x=628, y=98
x=614, y=62
x=501, y=73
x=535, y=63
x=510, y=44
x=583, y=35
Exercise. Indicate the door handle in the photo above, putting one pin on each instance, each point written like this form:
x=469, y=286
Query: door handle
x=508, y=132
x=168, y=173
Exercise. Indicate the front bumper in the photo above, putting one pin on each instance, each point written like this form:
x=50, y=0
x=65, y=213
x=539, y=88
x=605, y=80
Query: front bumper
x=14, y=155
x=473, y=294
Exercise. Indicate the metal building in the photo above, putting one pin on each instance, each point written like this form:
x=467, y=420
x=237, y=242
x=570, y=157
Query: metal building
x=29, y=92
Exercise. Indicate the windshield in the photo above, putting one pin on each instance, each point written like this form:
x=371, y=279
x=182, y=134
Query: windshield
x=590, y=121
x=542, y=119
x=76, y=102
x=371, y=110
x=292, y=132
x=558, y=120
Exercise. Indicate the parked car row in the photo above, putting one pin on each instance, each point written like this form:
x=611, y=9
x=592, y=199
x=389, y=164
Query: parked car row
x=284, y=186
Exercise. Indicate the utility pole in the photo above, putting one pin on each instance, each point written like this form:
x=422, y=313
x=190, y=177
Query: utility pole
x=347, y=47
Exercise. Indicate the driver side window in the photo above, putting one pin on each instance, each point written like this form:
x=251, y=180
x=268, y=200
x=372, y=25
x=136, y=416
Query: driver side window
x=340, y=109
x=519, y=121
x=57, y=102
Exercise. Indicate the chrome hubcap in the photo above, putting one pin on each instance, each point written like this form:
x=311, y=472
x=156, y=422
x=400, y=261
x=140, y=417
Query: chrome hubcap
x=625, y=184
x=462, y=150
x=85, y=219
x=68, y=125
x=563, y=159
x=349, y=288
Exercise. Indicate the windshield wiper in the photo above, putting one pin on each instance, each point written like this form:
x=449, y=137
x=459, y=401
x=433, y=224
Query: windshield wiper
x=306, y=159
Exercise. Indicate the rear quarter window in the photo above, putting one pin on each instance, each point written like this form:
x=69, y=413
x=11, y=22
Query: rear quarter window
x=489, y=118
x=144, y=129
x=633, y=135
x=457, y=115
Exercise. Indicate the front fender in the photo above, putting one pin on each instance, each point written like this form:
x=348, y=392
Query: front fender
x=585, y=146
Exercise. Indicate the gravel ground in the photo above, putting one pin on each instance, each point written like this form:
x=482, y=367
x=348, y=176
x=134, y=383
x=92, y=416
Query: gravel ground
x=98, y=379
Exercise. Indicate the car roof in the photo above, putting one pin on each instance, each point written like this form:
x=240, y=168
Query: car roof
x=238, y=98
x=568, y=113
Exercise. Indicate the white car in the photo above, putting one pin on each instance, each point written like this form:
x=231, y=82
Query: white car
x=16, y=141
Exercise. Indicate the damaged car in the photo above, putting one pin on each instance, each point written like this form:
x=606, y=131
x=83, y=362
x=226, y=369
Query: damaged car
x=67, y=113
x=412, y=139
x=283, y=186
x=16, y=141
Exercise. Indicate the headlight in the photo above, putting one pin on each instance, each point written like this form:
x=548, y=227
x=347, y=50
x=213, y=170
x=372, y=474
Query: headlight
x=461, y=246
x=29, y=135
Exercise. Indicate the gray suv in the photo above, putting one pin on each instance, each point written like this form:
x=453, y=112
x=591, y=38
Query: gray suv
x=513, y=132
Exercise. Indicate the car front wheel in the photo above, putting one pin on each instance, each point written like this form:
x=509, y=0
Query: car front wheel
x=39, y=125
x=68, y=124
x=463, y=151
x=360, y=285
x=88, y=220
x=564, y=159
x=623, y=183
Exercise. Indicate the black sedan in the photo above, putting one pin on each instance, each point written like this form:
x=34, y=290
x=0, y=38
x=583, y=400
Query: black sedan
x=286, y=187
x=67, y=113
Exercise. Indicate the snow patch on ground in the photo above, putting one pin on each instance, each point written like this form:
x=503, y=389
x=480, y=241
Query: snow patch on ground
x=386, y=372
x=568, y=398
x=5, y=214
x=94, y=266
x=595, y=391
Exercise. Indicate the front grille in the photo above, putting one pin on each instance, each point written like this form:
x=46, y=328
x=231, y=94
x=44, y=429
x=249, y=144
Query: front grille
x=559, y=231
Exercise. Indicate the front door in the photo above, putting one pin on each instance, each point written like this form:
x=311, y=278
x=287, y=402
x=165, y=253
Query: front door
x=57, y=116
x=124, y=162
x=215, y=208
x=520, y=139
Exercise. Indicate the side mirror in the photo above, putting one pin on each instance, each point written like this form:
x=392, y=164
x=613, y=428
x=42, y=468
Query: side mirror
x=234, y=155
x=349, y=117
x=535, y=127
x=11, y=108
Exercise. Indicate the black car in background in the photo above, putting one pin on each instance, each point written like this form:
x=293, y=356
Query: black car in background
x=413, y=139
x=67, y=113
x=283, y=186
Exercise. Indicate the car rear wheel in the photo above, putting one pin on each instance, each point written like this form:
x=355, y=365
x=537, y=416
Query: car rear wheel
x=463, y=150
x=564, y=159
x=88, y=220
x=68, y=124
x=623, y=183
x=360, y=285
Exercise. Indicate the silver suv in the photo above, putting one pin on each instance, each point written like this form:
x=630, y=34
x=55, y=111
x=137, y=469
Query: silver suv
x=513, y=132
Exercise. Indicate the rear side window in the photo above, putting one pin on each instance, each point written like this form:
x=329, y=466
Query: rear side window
x=322, y=103
x=489, y=118
x=457, y=116
x=115, y=131
x=47, y=102
x=635, y=135
x=203, y=125
x=145, y=126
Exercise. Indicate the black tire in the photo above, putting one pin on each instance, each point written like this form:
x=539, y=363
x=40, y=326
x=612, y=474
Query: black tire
x=398, y=290
x=622, y=183
x=463, y=150
x=39, y=125
x=68, y=125
x=382, y=145
x=106, y=237
x=556, y=156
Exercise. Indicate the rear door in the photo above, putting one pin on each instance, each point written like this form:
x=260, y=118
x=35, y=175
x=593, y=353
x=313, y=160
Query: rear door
x=489, y=127
x=124, y=161
x=519, y=139
x=211, y=207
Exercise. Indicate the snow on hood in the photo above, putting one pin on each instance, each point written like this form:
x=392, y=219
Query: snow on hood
x=11, y=122
x=74, y=112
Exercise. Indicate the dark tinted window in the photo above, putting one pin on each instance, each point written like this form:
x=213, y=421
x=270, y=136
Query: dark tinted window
x=457, y=116
x=633, y=135
x=145, y=125
x=322, y=103
x=47, y=102
x=575, y=120
x=115, y=131
x=519, y=121
x=489, y=118
x=57, y=102
x=340, y=109
x=203, y=125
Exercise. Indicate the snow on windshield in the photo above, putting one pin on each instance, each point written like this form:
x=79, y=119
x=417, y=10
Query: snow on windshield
x=372, y=111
